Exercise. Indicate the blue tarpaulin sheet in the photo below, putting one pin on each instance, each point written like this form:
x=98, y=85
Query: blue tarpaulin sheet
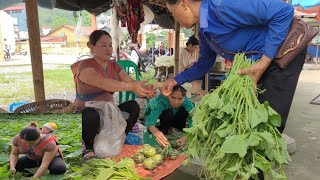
x=306, y=3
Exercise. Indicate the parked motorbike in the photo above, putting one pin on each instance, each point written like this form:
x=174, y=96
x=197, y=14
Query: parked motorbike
x=147, y=68
x=6, y=55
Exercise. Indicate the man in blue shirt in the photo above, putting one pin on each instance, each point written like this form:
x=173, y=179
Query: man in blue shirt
x=242, y=26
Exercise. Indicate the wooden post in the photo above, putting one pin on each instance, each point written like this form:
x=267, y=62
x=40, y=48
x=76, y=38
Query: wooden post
x=118, y=54
x=170, y=41
x=139, y=39
x=176, y=47
x=93, y=22
x=35, y=49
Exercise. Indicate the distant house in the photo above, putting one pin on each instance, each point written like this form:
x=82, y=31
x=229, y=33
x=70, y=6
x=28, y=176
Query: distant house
x=104, y=22
x=20, y=13
x=68, y=32
x=53, y=39
x=46, y=30
x=7, y=32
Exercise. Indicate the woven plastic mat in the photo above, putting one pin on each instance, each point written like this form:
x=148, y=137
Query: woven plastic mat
x=159, y=172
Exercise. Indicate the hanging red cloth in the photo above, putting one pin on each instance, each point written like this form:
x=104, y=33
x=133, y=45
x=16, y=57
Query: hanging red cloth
x=131, y=14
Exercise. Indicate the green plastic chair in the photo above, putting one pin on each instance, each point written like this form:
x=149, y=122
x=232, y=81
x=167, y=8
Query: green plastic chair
x=127, y=65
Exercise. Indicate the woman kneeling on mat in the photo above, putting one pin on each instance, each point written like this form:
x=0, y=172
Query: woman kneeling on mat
x=172, y=113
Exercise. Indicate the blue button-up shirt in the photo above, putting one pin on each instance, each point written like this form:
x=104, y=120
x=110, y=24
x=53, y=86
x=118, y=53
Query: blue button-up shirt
x=238, y=26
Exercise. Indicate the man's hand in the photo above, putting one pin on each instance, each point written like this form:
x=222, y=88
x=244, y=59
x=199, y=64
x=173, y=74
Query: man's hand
x=166, y=90
x=142, y=90
x=161, y=139
x=182, y=141
x=13, y=172
x=257, y=69
x=152, y=93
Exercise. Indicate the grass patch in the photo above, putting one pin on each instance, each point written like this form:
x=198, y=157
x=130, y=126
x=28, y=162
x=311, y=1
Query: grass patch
x=68, y=133
x=15, y=87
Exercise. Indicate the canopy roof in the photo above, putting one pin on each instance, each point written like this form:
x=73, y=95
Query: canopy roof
x=96, y=7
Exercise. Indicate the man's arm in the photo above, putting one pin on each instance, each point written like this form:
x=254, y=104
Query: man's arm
x=14, y=156
x=47, y=158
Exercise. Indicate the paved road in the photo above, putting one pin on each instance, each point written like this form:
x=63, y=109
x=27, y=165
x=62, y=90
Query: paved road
x=20, y=63
x=46, y=59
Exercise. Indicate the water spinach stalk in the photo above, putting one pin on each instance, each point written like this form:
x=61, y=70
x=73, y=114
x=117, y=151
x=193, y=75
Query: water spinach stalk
x=234, y=134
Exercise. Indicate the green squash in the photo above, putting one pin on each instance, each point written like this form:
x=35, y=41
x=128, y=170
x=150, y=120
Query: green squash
x=158, y=158
x=138, y=158
x=149, y=164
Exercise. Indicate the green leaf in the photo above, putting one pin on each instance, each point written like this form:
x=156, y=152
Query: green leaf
x=253, y=140
x=4, y=158
x=235, y=144
x=104, y=173
x=4, y=168
x=283, y=149
x=268, y=137
x=215, y=102
x=253, y=170
x=191, y=130
x=235, y=168
x=219, y=155
x=220, y=115
x=277, y=176
x=76, y=154
x=228, y=109
x=198, y=117
x=245, y=175
x=274, y=117
x=224, y=132
x=258, y=116
x=262, y=163
x=192, y=152
x=278, y=157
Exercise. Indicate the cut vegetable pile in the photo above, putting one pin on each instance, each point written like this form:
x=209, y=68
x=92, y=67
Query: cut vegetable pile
x=233, y=134
x=151, y=157
x=108, y=169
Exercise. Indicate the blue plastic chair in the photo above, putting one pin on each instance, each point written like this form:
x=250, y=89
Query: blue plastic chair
x=127, y=65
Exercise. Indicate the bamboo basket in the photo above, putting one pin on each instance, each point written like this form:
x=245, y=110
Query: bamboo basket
x=47, y=106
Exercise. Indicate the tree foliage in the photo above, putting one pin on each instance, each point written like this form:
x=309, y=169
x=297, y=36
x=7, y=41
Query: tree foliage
x=151, y=39
x=58, y=17
x=187, y=32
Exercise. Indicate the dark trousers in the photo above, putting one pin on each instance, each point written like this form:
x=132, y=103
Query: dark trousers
x=56, y=166
x=168, y=120
x=91, y=121
x=280, y=85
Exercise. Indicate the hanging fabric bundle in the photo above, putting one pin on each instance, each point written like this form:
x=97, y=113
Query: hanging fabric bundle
x=131, y=14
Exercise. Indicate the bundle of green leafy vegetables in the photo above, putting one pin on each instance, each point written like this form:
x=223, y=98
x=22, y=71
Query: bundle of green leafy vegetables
x=234, y=134
x=101, y=169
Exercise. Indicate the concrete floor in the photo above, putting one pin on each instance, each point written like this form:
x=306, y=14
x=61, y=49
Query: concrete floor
x=303, y=125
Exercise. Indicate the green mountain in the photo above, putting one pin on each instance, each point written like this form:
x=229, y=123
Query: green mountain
x=58, y=17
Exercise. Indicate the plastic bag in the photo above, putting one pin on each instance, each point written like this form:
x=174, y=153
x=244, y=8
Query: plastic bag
x=109, y=141
x=133, y=139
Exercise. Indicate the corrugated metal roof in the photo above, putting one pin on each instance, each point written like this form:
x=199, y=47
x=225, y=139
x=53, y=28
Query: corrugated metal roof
x=15, y=8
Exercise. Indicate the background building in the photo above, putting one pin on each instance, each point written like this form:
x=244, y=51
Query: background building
x=7, y=31
x=19, y=12
x=68, y=32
